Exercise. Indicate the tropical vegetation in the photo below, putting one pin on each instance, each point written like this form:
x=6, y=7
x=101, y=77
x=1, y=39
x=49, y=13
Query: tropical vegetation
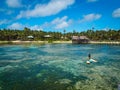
x=95, y=35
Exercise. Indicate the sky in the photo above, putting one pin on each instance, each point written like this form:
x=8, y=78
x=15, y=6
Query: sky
x=60, y=15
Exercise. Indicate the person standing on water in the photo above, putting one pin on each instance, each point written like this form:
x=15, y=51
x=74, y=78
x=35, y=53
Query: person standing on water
x=90, y=59
x=89, y=56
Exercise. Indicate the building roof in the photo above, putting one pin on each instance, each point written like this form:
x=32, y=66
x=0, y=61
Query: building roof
x=83, y=37
x=47, y=36
x=75, y=37
x=30, y=37
x=79, y=37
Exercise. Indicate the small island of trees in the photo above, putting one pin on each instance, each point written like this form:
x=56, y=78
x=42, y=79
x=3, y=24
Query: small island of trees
x=94, y=35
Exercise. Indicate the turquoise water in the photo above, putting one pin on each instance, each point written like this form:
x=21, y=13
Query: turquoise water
x=59, y=67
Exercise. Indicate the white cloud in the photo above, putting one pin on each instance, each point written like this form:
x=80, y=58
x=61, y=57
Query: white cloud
x=61, y=23
x=58, y=23
x=90, y=17
x=14, y=3
x=16, y=26
x=20, y=26
x=4, y=21
x=116, y=13
x=59, y=20
x=92, y=0
x=51, y=8
x=36, y=27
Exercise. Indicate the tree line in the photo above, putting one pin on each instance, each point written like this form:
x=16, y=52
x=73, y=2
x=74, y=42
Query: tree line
x=95, y=35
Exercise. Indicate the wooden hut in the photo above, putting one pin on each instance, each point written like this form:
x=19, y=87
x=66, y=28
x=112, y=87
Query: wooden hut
x=79, y=39
x=47, y=37
x=83, y=39
x=30, y=37
x=75, y=39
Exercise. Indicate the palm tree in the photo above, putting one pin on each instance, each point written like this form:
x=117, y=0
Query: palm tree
x=74, y=32
x=64, y=33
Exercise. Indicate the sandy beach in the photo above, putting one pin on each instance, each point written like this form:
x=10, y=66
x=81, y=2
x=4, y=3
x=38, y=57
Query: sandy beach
x=56, y=42
x=104, y=42
x=32, y=42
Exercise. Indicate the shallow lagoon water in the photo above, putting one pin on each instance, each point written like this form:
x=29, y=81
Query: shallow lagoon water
x=59, y=67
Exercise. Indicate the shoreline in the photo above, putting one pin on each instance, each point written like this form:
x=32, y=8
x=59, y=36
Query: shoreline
x=55, y=42
x=104, y=42
x=34, y=42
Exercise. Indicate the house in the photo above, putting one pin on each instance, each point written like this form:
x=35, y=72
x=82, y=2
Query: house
x=75, y=39
x=84, y=39
x=30, y=37
x=47, y=36
x=79, y=39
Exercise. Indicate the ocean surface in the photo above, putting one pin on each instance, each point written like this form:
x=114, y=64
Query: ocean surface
x=59, y=67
